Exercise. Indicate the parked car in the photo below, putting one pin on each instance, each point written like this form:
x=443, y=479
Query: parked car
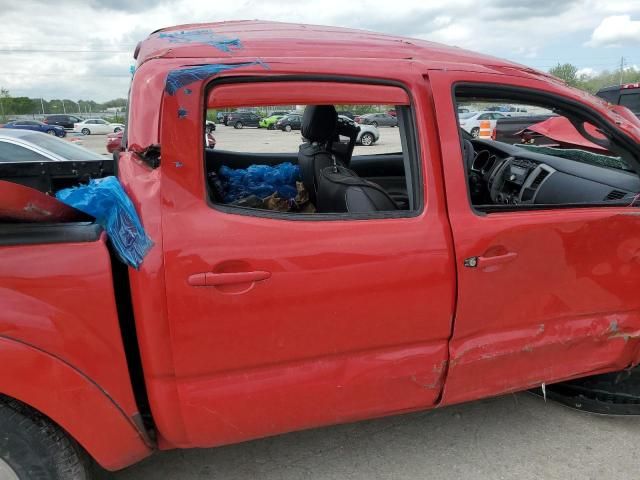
x=210, y=126
x=238, y=323
x=220, y=116
x=270, y=122
x=243, y=119
x=36, y=127
x=64, y=121
x=627, y=95
x=93, y=126
x=470, y=121
x=368, y=134
x=347, y=113
x=377, y=120
x=281, y=113
x=114, y=141
x=292, y=121
x=30, y=146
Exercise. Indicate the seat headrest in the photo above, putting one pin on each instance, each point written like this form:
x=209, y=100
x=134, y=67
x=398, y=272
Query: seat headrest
x=319, y=123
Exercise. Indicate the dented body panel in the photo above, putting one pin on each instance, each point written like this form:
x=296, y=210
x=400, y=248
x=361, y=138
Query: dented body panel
x=357, y=318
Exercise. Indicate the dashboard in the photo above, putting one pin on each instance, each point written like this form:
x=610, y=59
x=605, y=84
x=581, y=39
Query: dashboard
x=503, y=174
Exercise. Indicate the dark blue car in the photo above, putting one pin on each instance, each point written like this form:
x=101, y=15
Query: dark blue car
x=38, y=127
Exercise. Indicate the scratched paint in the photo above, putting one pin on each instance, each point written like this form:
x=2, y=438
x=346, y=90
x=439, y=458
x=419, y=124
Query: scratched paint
x=204, y=36
x=177, y=79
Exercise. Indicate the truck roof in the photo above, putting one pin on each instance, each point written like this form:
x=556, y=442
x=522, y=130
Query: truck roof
x=256, y=39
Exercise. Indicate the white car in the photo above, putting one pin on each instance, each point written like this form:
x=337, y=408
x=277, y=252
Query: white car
x=96, y=126
x=470, y=122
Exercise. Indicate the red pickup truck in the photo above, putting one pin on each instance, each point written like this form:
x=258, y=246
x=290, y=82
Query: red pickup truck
x=440, y=270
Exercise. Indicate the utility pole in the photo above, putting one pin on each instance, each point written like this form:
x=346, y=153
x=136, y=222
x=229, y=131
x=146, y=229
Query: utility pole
x=64, y=110
x=42, y=105
x=621, y=68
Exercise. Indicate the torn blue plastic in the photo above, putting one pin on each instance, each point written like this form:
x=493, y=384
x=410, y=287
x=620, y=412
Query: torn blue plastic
x=205, y=36
x=177, y=79
x=106, y=201
x=182, y=113
x=259, y=180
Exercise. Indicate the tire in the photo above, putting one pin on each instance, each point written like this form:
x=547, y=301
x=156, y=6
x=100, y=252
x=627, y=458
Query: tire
x=117, y=129
x=287, y=128
x=271, y=127
x=33, y=448
x=238, y=125
x=475, y=132
x=51, y=132
x=62, y=134
x=85, y=131
x=374, y=124
x=367, y=139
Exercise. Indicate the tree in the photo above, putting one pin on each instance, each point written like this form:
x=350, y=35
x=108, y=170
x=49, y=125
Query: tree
x=566, y=72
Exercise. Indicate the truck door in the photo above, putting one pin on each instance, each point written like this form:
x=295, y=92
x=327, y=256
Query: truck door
x=282, y=322
x=545, y=293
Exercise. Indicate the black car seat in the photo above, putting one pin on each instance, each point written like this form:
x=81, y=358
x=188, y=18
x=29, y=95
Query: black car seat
x=340, y=190
x=318, y=128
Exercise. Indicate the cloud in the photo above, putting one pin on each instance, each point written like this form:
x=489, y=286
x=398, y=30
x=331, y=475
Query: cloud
x=587, y=72
x=93, y=40
x=615, y=31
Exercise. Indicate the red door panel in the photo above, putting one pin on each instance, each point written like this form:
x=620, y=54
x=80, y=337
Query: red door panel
x=279, y=325
x=554, y=293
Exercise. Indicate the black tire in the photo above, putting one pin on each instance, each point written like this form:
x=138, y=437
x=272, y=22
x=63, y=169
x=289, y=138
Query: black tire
x=287, y=128
x=475, y=132
x=374, y=124
x=51, y=132
x=61, y=134
x=238, y=125
x=85, y=131
x=33, y=448
x=367, y=139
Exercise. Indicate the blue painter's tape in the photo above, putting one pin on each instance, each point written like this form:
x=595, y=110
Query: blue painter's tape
x=205, y=36
x=177, y=79
x=182, y=113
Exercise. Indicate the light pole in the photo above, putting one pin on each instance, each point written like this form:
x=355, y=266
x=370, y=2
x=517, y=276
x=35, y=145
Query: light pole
x=64, y=110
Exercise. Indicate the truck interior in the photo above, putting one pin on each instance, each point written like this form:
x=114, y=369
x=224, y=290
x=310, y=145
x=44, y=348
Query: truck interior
x=567, y=160
x=334, y=172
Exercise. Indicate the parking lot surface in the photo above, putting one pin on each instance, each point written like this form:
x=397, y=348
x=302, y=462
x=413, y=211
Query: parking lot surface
x=267, y=141
x=510, y=437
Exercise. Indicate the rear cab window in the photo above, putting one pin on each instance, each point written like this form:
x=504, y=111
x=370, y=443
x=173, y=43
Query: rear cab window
x=278, y=171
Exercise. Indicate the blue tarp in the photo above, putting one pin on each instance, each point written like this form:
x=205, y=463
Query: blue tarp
x=259, y=180
x=106, y=201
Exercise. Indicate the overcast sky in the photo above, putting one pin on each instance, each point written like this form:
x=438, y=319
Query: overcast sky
x=82, y=49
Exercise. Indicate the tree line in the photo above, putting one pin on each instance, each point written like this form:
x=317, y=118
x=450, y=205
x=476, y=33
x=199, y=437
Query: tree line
x=10, y=105
x=592, y=83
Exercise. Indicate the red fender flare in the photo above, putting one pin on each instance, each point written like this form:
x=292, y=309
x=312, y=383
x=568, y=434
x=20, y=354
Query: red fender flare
x=74, y=401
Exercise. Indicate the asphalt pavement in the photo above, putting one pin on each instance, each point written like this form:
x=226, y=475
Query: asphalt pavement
x=510, y=437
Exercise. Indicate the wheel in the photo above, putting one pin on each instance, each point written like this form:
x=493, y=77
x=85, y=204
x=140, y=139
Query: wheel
x=51, y=132
x=238, y=125
x=374, y=124
x=117, y=129
x=85, y=131
x=367, y=139
x=287, y=128
x=271, y=127
x=33, y=448
x=62, y=134
x=475, y=132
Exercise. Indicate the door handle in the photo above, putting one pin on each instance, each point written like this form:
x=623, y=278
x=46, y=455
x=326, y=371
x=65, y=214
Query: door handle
x=490, y=261
x=210, y=279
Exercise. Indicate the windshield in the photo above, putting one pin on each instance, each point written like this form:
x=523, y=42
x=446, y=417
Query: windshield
x=467, y=115
x=62, y=148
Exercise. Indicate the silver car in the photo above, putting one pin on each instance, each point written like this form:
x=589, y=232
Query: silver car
x=377, y=120
x=30, y=146
x=368, y=134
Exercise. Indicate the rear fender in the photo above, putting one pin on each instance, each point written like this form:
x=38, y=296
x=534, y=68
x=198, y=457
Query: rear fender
x=72, y=400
